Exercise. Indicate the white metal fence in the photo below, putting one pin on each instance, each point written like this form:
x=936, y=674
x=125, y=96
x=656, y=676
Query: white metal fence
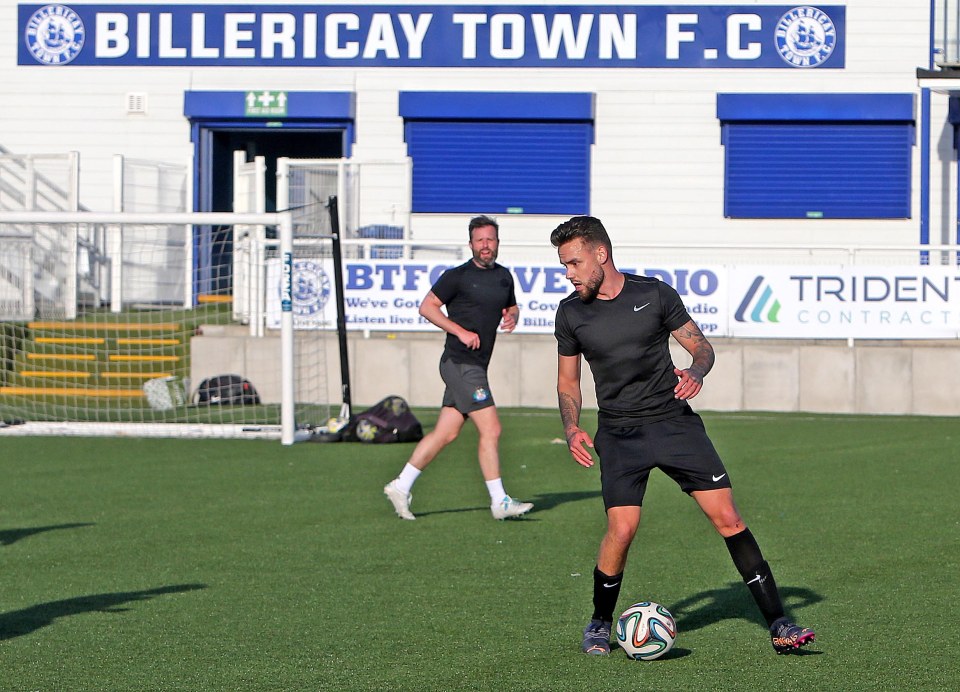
x=947, y=32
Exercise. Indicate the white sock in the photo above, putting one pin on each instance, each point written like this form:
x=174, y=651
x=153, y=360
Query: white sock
x=407, y=478
x=495, y=488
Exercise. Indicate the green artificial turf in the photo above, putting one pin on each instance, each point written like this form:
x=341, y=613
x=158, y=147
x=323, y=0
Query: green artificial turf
x=244, y=565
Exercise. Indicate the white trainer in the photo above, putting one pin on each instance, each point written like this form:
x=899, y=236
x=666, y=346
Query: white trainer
x=400, y=500
x=508, y=507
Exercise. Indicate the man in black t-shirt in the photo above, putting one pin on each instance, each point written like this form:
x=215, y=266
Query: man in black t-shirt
x=622, y=324
x=479, y=297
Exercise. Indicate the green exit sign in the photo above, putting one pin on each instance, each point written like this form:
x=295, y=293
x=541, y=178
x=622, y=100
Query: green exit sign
x=265, y=103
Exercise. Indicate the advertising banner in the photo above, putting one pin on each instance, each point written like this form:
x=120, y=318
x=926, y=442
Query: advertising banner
x=859, y=302
x=357, y=35
x=385, y=295
x=756, y=301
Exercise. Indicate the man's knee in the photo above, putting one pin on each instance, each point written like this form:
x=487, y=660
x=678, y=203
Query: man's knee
x=622, y=527
x=446, y=435
x=491, y=434
x=488, y=424
x=623, y=533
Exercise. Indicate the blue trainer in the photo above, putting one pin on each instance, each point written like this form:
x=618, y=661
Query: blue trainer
x=596, y=638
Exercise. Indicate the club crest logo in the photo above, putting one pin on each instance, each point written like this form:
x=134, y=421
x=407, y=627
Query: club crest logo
x=311, y=288
x=805, y=37
x=481, y=394
x=54, y=35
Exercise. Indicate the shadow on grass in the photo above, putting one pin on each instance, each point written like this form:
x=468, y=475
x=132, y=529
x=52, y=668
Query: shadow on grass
x=11, y=536
x=17, y=623
x=733, y=601
x=545, y=501
x=675, y=652
x=541, y=503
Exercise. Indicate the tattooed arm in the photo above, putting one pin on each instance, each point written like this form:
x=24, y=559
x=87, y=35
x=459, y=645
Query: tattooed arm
x=695, y=343
x=570, y=400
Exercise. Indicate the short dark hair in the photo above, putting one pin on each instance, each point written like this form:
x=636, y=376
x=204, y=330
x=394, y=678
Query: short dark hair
x=586, y=228
x=480, y=222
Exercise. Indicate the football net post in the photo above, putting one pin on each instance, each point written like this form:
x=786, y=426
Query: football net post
x=333, y=210
x=109, y=326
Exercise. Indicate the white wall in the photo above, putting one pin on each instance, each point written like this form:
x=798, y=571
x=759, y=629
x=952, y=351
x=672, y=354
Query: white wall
x=657, y=162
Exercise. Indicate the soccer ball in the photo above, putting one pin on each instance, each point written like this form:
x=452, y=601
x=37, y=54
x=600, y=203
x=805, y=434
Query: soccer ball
x=337, y=424
x=366, y=430
x=646, y=631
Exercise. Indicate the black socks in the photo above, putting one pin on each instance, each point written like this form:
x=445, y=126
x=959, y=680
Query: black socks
x=756, y=574
x=606, y=590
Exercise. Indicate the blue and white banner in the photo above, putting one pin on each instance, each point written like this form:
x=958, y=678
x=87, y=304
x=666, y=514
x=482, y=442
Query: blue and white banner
x=649, y=36
x=775, y=301
x=385, y=295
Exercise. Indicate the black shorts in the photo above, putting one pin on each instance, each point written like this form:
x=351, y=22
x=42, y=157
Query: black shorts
x=467, y=387
x=677, y=446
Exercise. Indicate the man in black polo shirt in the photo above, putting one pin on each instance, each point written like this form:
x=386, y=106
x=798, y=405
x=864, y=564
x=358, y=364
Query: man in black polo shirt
x=622, y=324
x=479, y=297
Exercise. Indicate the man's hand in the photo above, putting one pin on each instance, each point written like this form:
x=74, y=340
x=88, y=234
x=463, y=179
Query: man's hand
x=509, y=321
x=469, y=339
x=577, y=442
x=689, y=385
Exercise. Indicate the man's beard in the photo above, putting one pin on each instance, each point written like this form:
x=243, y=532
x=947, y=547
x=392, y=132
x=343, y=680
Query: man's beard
x=487, y=263
x=591, y=287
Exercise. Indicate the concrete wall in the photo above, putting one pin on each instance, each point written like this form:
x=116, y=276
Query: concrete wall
x=918, y=377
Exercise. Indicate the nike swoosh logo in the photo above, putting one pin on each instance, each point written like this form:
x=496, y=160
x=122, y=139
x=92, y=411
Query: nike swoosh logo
x=717, y=478
x=756, y=578
x=610, y=586
x=638, y=309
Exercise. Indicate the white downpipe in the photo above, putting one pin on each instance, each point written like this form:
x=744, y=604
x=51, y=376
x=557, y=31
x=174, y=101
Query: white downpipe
x=287, y=392
x=258, y=269
x=70, y=284
x=187, y=266
x=114, y=240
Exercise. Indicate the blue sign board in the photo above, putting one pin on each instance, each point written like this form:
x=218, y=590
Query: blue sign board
x=540, y=36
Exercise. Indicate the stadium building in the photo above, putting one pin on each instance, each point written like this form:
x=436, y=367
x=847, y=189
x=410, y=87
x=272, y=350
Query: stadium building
x=791, y=169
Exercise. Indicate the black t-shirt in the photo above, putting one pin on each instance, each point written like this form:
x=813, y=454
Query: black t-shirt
x=475, y=298
x=626, y=341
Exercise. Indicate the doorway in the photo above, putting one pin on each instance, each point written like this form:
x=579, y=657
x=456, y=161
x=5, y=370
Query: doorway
x=271, y=145
x=215, y=173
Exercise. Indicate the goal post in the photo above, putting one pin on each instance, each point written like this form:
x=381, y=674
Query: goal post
x=123, y=324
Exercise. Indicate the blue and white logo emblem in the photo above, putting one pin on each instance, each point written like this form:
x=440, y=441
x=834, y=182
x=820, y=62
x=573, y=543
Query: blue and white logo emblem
x=481, y=394
x=759, y=305
x=54, y=35
x=805, y=37
x=311, y=288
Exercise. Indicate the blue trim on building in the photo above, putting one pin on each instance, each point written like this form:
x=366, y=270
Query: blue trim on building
x=496, y=105
x=823, y=107
x=311, y=105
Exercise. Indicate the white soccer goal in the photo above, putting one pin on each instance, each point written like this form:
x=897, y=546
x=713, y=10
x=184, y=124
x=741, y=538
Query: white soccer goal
x=120, y=323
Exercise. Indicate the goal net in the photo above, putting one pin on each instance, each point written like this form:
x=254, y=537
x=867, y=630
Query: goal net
x=167, y=324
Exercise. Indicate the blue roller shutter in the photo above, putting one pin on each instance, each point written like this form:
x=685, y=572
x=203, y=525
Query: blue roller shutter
x=533, y=168
x=499, y=153
x=816, y=157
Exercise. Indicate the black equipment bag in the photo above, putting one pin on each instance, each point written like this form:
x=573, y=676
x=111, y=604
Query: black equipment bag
x=229, y=390
x=389, y=420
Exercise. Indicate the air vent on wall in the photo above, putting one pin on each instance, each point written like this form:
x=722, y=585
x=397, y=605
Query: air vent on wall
x=136, y=103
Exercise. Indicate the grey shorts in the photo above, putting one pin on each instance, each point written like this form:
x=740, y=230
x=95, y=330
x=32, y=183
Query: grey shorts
x=467, y=389
x=677, y=446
